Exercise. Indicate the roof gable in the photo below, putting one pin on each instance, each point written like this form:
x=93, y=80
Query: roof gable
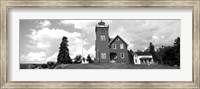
x=112, y=40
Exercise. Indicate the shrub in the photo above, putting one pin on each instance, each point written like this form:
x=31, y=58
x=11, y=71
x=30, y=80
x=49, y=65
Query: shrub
x=44, y=66
x=51, y=64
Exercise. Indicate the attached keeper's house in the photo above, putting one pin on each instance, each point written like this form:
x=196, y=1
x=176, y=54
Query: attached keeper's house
x=109, y=49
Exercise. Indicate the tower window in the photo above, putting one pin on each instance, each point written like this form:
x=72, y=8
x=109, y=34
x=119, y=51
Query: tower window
x=103, y=55
x=122, y=55
x=103, y=37
x=114, y=46
x=102, y=31
x=121, y=46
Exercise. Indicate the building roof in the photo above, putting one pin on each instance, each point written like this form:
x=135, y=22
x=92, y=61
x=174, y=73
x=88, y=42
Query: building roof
x=102, y=24
x=113, y=39
x=146, y=58
x=143, y=53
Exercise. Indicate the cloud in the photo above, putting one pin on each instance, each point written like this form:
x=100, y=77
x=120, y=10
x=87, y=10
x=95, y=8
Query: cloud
x=38, y=57
x=33, y=57
x=138, y=33
x=81, y=24
x=155, y=37
x=43, y=38
x=47, y=39
x=43, y=45
x=52, y=33
x=53, y=57
x=45, y=23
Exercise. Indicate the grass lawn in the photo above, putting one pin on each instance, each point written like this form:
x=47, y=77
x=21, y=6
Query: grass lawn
x=113, y=66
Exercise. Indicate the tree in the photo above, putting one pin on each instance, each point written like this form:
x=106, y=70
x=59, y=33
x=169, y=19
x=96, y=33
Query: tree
x=51, y=64
x=89, y=59
x=77, y=59
x=44, y=66
x=170, y=55
x=160, y=53
x=147, y=50
x=177, y=42
x=63, y=56
x=177, y=51
x=130, y=56
x=151, y=50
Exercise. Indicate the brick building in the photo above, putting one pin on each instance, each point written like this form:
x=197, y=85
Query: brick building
x=109, y=49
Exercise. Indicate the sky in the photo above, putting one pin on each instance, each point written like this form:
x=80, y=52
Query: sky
x=40, y=38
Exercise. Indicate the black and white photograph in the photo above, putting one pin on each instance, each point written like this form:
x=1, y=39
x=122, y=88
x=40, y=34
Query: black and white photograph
x=99, y=43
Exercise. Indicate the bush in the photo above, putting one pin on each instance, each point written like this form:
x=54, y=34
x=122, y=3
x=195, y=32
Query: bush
x=44, y=66
x=51, y=65
x=89, y=59
x=77, y=59
x=33, y=66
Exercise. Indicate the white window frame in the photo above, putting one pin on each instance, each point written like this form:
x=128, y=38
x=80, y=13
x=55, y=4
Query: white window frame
x=103, y=37
x=114, y=46
x=103, y=55
x=122, y=55
x=121, y=46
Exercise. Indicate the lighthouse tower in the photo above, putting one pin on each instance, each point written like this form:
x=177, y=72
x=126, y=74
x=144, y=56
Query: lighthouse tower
x=102, y=42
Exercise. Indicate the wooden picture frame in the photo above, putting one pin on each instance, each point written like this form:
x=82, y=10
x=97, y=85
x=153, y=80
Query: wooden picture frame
x=6, y=4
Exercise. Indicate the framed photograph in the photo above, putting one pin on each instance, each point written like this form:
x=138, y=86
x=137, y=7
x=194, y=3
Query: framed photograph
x=100, y=44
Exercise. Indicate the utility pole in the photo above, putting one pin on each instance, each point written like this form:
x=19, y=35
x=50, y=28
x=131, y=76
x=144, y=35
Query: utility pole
x=82, y=41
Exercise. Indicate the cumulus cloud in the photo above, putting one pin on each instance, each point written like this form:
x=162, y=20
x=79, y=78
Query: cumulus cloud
x=38, y=57
x=52, y=57
x=45, y=23
x=52, y=33
x=77, y=23
x=43, y=45
x=33, y=57
x=155, y=37
x=80, y=24
x=44, y=38
x=138, y=33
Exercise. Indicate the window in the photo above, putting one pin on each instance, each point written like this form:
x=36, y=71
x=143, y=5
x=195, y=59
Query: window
x=118, y=39
x=102, y=31
x=122, y=55
x=114, y=46
x=103, y=55
x=103, y=38
x=121, y=46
